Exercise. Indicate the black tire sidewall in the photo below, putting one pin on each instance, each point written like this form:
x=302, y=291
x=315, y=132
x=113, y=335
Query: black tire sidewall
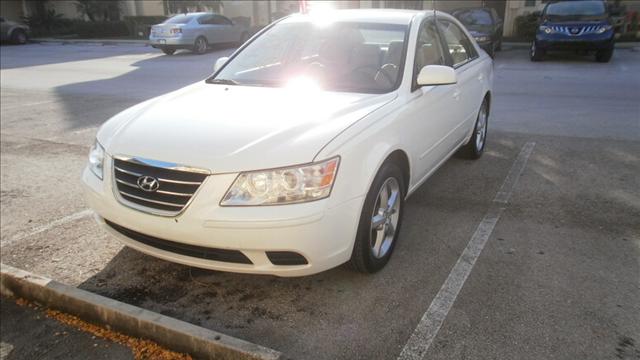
x=15, y=35
x=362, y=257
x=195, y=46
x=470, y=150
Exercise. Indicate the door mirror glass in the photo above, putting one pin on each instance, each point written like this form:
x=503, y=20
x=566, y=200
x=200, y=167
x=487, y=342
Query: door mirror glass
x=219, y=63
x=436, y=75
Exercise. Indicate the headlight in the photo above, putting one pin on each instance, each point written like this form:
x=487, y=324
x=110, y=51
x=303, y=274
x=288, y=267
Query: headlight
x=603, y=29
x=546, y=29
x=283, y=186
x=96, y=159
x=482, y=38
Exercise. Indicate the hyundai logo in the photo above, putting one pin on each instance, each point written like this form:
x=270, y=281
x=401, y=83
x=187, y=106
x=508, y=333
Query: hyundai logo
x=148, y=183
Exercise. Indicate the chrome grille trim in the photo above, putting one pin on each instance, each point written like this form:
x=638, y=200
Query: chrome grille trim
x=581, y=29
x=178, y=185
x=151, y=201
x=159, y=179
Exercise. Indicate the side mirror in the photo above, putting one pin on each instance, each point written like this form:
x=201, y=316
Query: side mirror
x=436, y=75
x=219, y=63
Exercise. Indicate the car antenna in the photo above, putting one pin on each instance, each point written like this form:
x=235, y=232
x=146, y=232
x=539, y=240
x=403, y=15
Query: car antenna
x=433, y=5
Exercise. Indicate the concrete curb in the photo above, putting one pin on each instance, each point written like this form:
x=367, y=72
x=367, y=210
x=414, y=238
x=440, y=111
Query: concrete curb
x=95, y=42
x=175, y=334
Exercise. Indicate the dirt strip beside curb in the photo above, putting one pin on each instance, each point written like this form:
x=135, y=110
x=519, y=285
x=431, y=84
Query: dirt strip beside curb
x=175, y=334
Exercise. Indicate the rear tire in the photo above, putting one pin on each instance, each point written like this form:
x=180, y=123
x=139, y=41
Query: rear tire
x=535, y=53
x=475, y=147
x=168, y=51
x=604, y=56
x=19, y=37
x=384, y=204
x=200, y=46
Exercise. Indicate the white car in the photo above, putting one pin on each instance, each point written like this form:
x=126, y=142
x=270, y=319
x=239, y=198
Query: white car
x=298, y=153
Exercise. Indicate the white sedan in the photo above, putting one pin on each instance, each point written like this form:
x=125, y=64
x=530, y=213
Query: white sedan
x=299, y=152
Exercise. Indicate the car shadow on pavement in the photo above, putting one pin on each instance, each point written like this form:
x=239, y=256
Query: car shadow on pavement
x=340, y=306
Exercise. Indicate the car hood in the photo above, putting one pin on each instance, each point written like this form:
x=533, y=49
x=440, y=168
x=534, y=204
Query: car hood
x=235, y=128
x=548, y=22
x=480, y=29
x=476, y=33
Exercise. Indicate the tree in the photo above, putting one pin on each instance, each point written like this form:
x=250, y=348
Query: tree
x=99, y=9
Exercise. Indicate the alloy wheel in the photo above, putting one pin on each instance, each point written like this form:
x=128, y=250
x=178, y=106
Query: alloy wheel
x=385, y=218
x=481, y=127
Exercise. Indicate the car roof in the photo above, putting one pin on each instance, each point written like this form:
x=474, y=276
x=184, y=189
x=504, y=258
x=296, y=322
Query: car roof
x=195, y=14
x=383, y=16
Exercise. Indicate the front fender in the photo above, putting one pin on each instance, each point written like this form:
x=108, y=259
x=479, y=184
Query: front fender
x=363, y=148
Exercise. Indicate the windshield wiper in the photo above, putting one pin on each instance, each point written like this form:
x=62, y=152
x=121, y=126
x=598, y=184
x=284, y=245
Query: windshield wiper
x=222, y=81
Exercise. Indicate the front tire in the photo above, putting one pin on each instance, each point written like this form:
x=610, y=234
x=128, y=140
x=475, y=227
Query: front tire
x=535, y=53
x=604, y=56
x=380, y=220
x=19, y=37
x=475, y=148
x=200, y=46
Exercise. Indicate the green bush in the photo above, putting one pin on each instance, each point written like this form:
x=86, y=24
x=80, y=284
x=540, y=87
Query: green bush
x=526, y=26
x=97, y=29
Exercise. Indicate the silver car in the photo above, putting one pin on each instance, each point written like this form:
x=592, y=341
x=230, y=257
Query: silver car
x=196, y=32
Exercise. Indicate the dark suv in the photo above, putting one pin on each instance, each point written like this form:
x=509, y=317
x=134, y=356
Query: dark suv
x=574, y=25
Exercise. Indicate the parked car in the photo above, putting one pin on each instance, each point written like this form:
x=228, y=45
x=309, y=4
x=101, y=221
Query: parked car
x=298, y=153
x=485, y=25
x=582, y=25
x=13, y=32
x=196, y=32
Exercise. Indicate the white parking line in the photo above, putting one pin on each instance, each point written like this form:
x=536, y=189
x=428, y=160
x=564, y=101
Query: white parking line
x=51, y=225
x=434, y=317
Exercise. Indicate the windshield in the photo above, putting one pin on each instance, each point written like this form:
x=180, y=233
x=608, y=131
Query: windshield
x=351, y=57
x=474, y=17
x=180, y=19
x=576, y=10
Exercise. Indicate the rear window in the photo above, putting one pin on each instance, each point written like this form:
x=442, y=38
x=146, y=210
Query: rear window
x=474, y=17
x=180, y=19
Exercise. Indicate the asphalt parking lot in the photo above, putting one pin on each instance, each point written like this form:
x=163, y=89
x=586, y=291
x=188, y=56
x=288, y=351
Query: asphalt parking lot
x=558, y=276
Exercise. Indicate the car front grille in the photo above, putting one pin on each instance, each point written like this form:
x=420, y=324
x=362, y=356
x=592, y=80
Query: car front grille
x=576, y=30
x=171, y=192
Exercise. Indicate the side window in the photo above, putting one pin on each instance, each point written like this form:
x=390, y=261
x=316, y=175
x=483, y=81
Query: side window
x=428, y=48
x=460, y=47
x=220, y=20
x=204, y=20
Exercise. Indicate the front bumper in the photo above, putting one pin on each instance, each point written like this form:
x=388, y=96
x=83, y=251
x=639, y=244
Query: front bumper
x=567, y=42
x=323, y=236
